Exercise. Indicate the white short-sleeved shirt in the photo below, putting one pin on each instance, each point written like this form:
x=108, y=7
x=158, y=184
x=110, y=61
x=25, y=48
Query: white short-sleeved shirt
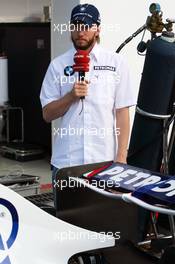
x=88, y=137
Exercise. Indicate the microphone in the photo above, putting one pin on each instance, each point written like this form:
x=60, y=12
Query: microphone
x=81, y=59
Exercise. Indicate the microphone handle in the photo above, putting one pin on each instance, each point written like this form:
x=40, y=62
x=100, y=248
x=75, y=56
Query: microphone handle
x=81, y=77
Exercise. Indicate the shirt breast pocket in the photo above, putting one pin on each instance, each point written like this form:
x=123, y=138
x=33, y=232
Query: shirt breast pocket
x=104, y=87
x=66, y=84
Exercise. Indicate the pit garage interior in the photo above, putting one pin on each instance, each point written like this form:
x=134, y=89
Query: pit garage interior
x=30, y=37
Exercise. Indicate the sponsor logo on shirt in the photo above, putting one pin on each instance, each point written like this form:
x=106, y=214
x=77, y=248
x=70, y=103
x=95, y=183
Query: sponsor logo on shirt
x=104, y=68
x=68, y=71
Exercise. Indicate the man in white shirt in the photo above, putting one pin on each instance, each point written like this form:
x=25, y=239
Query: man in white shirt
x=100, y=131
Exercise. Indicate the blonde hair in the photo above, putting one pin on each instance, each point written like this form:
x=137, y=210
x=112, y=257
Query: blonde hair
x=98, y=39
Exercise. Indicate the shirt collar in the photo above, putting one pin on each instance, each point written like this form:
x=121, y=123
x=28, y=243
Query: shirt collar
x=95, y=52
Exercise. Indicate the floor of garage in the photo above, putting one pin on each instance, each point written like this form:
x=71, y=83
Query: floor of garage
x=39, y=168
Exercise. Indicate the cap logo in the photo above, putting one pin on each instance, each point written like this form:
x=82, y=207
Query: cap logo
x=82, y=8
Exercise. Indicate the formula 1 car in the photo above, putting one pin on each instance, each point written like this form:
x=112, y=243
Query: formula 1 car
x=30, y=235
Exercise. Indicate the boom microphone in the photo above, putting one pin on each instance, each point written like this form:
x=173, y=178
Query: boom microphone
x=81, y=59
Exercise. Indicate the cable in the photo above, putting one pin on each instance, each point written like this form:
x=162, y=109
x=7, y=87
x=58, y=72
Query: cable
x=82, y=106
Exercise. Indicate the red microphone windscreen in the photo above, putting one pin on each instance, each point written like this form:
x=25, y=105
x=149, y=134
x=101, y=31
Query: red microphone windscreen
x=81, y=56
x=84, y=67
x=81, y=59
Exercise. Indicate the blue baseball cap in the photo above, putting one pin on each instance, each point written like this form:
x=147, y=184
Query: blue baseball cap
x=86, y=14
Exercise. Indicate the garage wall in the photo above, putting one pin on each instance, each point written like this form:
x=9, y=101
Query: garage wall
x=61, y=10
x=22, y=10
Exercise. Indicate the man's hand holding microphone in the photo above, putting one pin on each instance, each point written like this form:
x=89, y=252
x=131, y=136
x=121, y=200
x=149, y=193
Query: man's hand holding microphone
x=80, y=89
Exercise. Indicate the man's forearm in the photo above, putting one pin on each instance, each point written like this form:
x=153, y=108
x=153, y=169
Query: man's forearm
x=123, y=123
x=58, y=108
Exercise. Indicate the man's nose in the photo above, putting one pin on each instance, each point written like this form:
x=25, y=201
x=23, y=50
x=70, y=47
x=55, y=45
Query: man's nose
x=80, y=32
